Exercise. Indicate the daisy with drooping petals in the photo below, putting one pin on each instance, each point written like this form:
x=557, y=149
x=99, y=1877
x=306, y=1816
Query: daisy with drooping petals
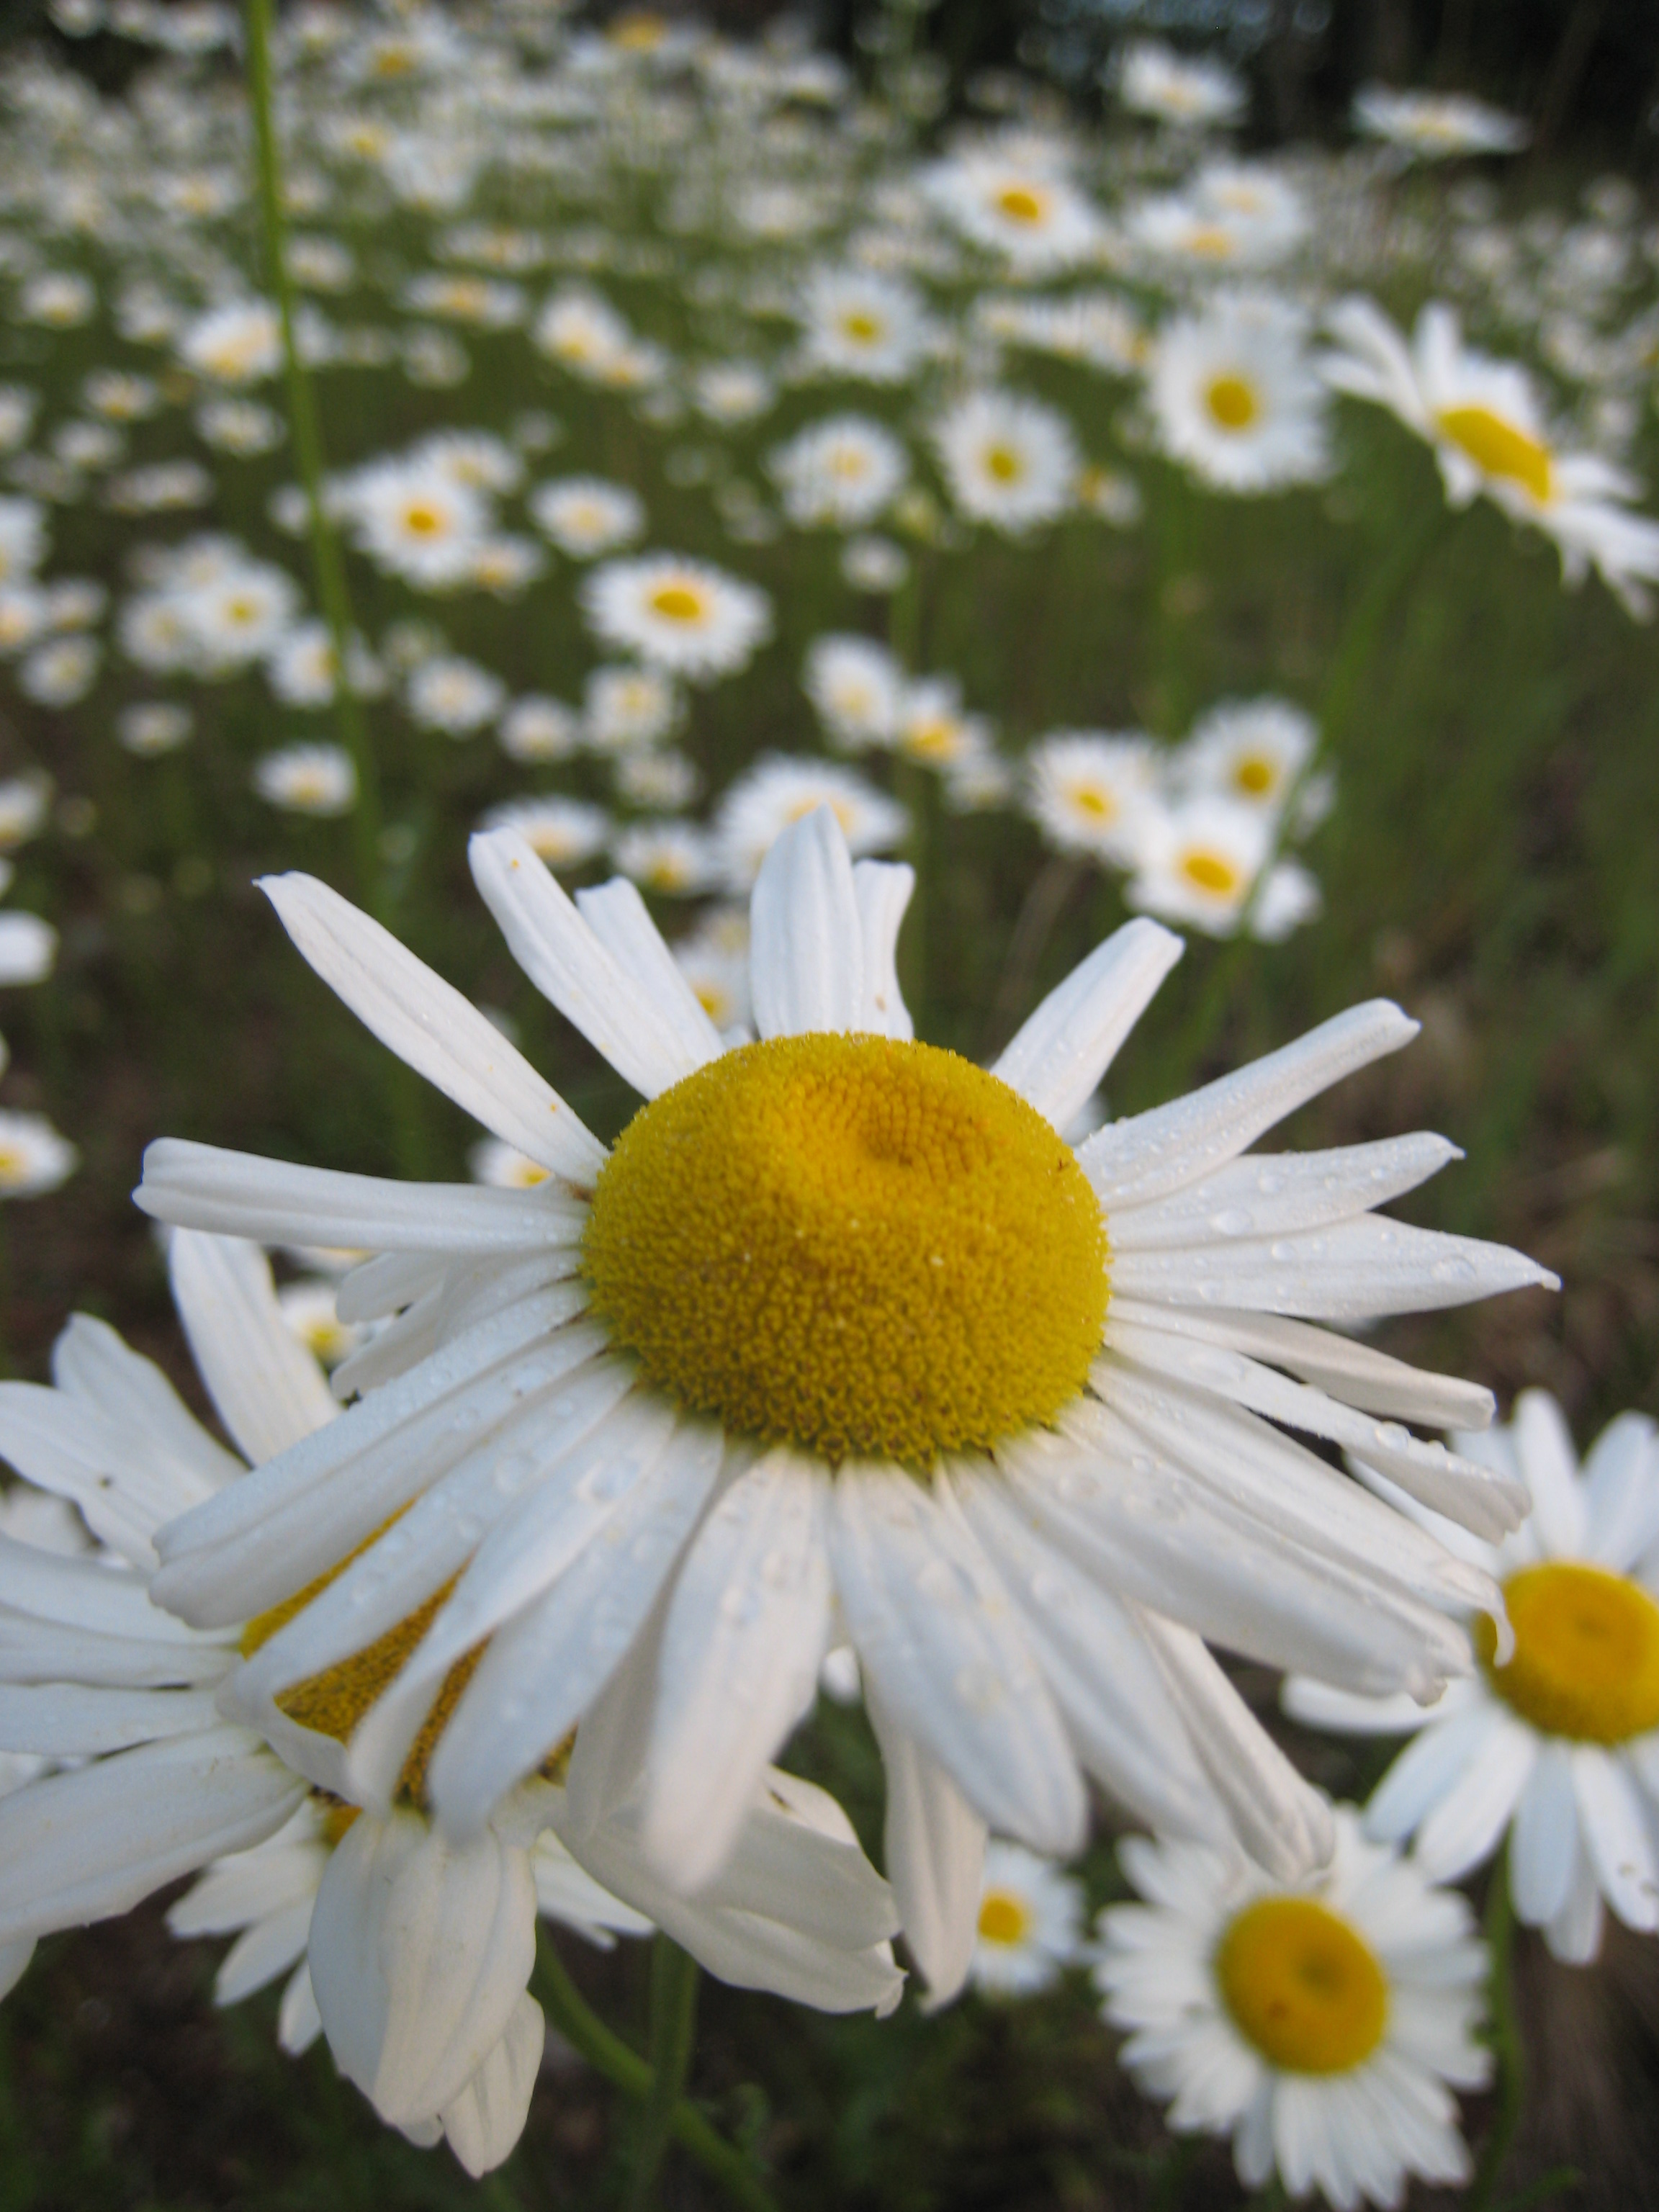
x=1322, y=2023
x=842, y=1331
x=1009, y=461
x=681, y=615
x=1030, y=1917
x=1487, y=427
x=1235, y=396
x=1557, y=1741
x=441, y=2035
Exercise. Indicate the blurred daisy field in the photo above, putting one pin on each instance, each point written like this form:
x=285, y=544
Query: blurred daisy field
x=660, y=449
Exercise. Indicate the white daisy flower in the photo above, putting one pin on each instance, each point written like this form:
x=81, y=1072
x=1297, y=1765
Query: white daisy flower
x=1435, y=125
x=934, y=728
x=309, y=779
x=1487, y=427
x=626, y=709
x=1196, y=861
x=476, y=459
x=23, y=541
x=1251, y=751
x=240, y=342
x=241, y=426
x=583, y=333
x=34, y=1160
x=301, y=669
x=1030, y=1924
x=504, y=1167
x=676, y=858
x=585, y=516
x=58, y=299
x=1235, y=394
x=454, y=695
x=61, y=672
x=857, y=323
x=1324, y=2023
x=778, y=791
x=562, y=832
x=1089, y=791
x=417, y=522
x=1007, y=460
x=241, y=613
x=537, y=729
x=733, y=391
x=28, y=948
x=681, y=615
x=1558, y=1741
x=874, y=564
x=844, y=471
x=1191, y=91
x=24, y=801
x=441, y=2037
x=151, y=727
x=664, y=782
x=1026, y=210
x=309, y=1307
x=857, y=690
x=1009, y=1433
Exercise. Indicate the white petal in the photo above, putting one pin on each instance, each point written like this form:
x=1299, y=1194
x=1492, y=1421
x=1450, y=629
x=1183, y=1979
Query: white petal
x=1427, y=1771
x=806, y=959
x=933, y=1843
x=469, y=1290
x=63, y=1720
x=270, y=1948
x=938, y=1636
x=1132, y=1162
x=248, y=1886
x=567, y=1893
x=1622, y=1493
x=1544, y=1838
x=428, y=1024
x=485, y=2121
x=83, y=1845
x=1058, y=1057
x=1617, y=1836
x=268, y=1389
x=620, y=919
x=420, y=1951
x=14, y=1963
x=91, y=1365
x=747, y=1625
x=33, y=1651
x=1281, y=1194
x=1463, y=1829
x=1575, y=1935
x=883, y=890
x=298, y=2023
x=1315, y=1704
x=1543, y=1443
x=275, y=1202
x=568, y=964
x=81, y=1593
x=784, y=1867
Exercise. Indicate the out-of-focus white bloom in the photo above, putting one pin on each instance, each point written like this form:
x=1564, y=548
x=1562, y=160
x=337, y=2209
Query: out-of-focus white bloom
x=1008, y=460
x=454, y=695
x=239, y=426
x=1029, y=1927
x=417, y=521
x=1490, y=432
x=34, y=1158
x=1234, y=393
x=874, y=564
x=1197, y=860
x=858, y=323
x=1231, y=215
x=585, y=516
x=674, y=858
x=18, y=407
x=475, y=458
x=1434, y=125
x=240, y=342
x=23, y=542
x=301, y=669
x=23, y=803
x=664, y=782
x=777, y=791
x=1249, y=749
x=857, y=690
x=626, y=707
x=152, y=726
x=487, y=303
x=59, y=298
x=1027, y=210
x=1089, y=792
x=58, y=673
x=683, y=615
x=503, y=1166
x=311, y=779
x=843, y=471
x=1153, y=80
x=563, y=832
x=28, y=949
x=310, y=1308
x=537, y=729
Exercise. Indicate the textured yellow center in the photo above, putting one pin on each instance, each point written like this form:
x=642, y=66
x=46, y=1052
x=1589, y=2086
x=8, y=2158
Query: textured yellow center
x=1232, y=402
x=1020, y=204
x=1586, y=1662
x=1302, y=1986
x=677, y=603
x=1499, y=449
x=1210, y=873
x=862, y=1247
x=1003, y=1918
x=1254, y=775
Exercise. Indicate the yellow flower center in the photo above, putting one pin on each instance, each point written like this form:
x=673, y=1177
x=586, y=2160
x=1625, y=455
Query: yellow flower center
x=423, y=521
x=1003, y=1918
x=1302, y=1986
x=13, y=1166
x=1586, y=1663
x=1499, y=449
x=1021, y=204
x=1004, y=464
x=858, y=1246
x=1211, y=242
x=1254, y=775
x=1089, y=798
x=1210, y=873
x=863, y=329
x=639, y=34
x=679, y=603
x=1232, y=402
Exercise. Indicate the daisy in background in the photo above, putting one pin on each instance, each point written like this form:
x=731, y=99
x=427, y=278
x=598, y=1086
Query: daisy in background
x=675, y=859
x=1256, y=751
x=1197, y=860
x=1324, y=2023
x=34, y=1159
x=627, y=710
x=310, y=1308
x=311, y=779
x=857, y=323
x=1235, y=394
x=1007, y=460
x=1435, y=125
x=1030, y=1926
x=1089, y=790
x=240, y=342
x=537, y=729
x=1018, y=205
x=1489, y=434
x=857, y=687
x=441, y=2035
x=414, y=520
x=151, y=727
x=585, y=516
x=1556, y=1742
x=1193, y=92
x=779, y=790
x=844, y=471
x=454, y=695
x=562, y=832
x=666, y=1428
x=681, y=615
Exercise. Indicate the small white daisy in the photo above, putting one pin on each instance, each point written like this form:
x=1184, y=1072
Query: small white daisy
x=1191, y=91
x=34, y=1159
x=1234, y=393
x=1088, y=791
x=857, y=323
x=776, y=792
x=537, y=729
x=309, y=779
x=1197, y=860
x=1029, y=1925
x=454, y=695
x=310, y=1308
x=857, y=690
x=844, y=471
x=28, y=948
x=676, y=858
x=152, y=726
x=240, y=342
x=1249, y=750
x=1026, y=210
x=1435, y=125
x=585, y=516
x=562, y=832
x=1007, y=460
x=626, y=709
x=681, y=615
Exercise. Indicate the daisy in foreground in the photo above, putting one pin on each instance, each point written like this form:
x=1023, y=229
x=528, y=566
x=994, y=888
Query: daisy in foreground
x=1560, y=1741
x=441, y=2035
x=1324, y=2023
x=1491, y=434
x=842, y=1331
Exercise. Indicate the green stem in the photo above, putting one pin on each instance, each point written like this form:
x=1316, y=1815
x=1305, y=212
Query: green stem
x=673, y=2034
x=583, y=2029
x=309, y=452
x=1506, y=2035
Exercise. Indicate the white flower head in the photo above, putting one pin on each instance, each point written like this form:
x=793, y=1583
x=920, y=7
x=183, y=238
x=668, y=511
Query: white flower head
x=627, y=709
x=683, y=616
x=859, y=323
x=1234, y=393
x=1193, y=92
x=562, y=832
x=308, y=779
x=454, y=695
x=1249, y=750
x=1029, y=1925
x=585, y=516
x=1089, y=792
x=673, y=858
x=1436, y=125
x=856, y=688
x=776, y=793
x=537, y=729
x=1197, y=860
x=1026, y=210
x=844, y=471
x=240, y=342
x=34, y=1159
x=1008, y=460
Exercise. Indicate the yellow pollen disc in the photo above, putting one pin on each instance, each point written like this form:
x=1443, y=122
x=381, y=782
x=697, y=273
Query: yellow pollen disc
x=12, y=1165
x=1004, y=465
x=1021, y=205
x=858, y=1246
x=1254, y=775
x=1089, y=798
x=423, y=520
x=1302, y=1986
x=1003, y=1918
x=1215, y=244
x=865, y=330
x=1232, y=402
x=677, y=603
x=241, y=611
x=1210, y=873
x=1499, y=449
x=1586, y=1663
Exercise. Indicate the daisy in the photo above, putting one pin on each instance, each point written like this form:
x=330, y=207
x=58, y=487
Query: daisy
x=582, y=332
x=442, y=2037
x=34, y=1160
x=625, y=708
x=58, y=673
x=776, y=792
x=476, y=459
x=673, y=858
x=536, y=729
x=1197, y=860
x=1436, y=125
x=874, y=564
x=310, y=1309
x=28, y=949
x=504, y=1166
x=311, y=779
x=934, y=728
x=59, y=298
x=1557, y=1741
x=241, y=426
x=681, y=615
x=240, y=342
x=153, y=727
x=23, y=542
x=301, y=669
x=562, y=832
x=1489, y=434
x=24, y=803
x=1252, y=750
x=857, y=690
x=856, y=323
x=733, y=391
x=454, y=695
x=1187, y=90
x=585, y=516
x=1088, y=791
x=240, y=613
x=1030, y=1916
x=417, y=522
x=653, y=1428
x=1026, y=210
x=1007, y=460
x=665, y=781
x=1235, y=395
x=1321, y=2022
x=844, y=471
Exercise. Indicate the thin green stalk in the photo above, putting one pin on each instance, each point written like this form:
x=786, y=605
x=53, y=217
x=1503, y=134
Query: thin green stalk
x=673, y=2034
x=1505, y=2038
x=309, y=452
x=583, y=2029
